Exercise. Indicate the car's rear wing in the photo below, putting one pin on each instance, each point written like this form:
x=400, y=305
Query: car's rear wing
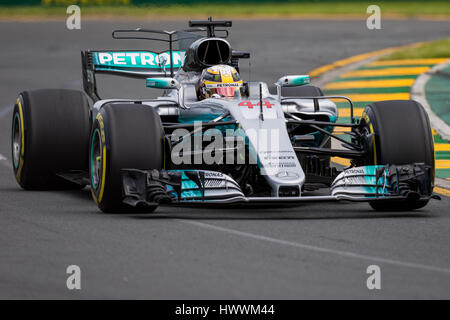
x=147, y=64
x=133, y=63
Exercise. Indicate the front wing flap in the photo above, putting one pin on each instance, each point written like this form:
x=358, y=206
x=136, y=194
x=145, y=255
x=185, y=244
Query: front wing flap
x=384, y=181
x=367, y=183
x=178, y=186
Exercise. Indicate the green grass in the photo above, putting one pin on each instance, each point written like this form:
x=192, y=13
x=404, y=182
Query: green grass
x=389, y=9
x=434, y=49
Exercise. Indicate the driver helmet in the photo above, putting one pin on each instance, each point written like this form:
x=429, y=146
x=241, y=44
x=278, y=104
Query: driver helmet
x=220, y=81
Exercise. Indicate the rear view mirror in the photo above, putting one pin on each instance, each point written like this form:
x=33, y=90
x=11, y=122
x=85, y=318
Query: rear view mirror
x=162, y=83
x=293, y=81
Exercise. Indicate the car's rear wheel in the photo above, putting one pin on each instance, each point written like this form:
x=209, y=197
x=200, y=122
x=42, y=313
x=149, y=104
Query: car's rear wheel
x=124, y=136
x=50, y=133
x=399, y=133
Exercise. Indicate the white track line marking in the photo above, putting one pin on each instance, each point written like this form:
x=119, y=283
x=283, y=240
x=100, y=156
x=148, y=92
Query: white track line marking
x=5, y=110
x=317, y=249
x=4, y=161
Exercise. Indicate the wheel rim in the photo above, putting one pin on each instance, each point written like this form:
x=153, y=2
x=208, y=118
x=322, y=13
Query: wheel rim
x=96, y=159
x=16, y=140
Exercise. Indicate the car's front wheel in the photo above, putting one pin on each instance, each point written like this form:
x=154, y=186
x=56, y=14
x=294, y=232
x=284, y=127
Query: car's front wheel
x=124, y=136
x=399, y=133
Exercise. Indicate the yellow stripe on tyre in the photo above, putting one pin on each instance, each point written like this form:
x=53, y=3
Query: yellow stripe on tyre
x=98, y=199
x=22, y=132
x=367, y=120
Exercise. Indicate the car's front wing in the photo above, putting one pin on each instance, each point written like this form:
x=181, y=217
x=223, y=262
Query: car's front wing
x=198, y=187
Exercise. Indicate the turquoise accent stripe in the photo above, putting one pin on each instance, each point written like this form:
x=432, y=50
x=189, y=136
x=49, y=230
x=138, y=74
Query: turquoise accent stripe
x=301, y=80
x=159, y=83
x=374, y=190
x=186, y=183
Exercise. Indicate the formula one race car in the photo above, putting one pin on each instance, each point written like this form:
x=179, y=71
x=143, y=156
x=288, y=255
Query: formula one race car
x=212, y=138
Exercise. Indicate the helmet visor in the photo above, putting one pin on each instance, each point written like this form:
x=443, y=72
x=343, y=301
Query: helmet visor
x=225, y=91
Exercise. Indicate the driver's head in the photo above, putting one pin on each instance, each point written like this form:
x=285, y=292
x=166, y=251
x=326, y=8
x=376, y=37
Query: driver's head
x=219, y=81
